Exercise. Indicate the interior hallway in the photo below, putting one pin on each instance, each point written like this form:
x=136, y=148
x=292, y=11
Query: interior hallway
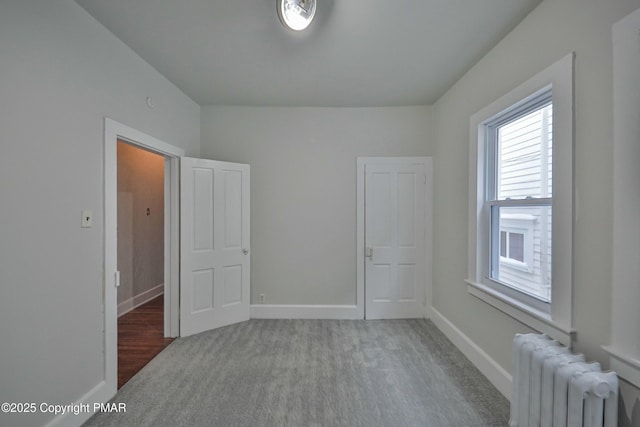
x=140, y=338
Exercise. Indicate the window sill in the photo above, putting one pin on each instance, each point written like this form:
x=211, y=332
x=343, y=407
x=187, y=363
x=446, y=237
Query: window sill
x=626, y=366
x=528, y=316
x=516, y=265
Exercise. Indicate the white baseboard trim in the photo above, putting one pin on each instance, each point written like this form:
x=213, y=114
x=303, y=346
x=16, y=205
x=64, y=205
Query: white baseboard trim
x=286, y=311
x=136, y=301
x=101, y=393
x=498, y=376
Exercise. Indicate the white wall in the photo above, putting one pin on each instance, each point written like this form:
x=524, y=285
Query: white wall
x=62, y=73
x=551, y=31
x=303, y=194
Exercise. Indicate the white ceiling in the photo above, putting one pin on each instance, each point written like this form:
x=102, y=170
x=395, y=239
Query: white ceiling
x=356, y=53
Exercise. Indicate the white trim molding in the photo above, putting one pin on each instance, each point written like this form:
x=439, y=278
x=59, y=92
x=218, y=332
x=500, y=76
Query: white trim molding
x=137, y=300
x=624, y=350
x=625, y=366
x=290, y=311
x=559, y=78
x=536, y=320
x=99, y=394
x=112, y=132
x=361, y=163
x=495, y=373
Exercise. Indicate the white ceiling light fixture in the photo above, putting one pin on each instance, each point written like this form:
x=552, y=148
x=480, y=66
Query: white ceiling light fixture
x=296, y=14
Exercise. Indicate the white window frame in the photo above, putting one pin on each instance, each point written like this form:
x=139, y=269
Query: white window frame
x=556, y=318
x=489, y=132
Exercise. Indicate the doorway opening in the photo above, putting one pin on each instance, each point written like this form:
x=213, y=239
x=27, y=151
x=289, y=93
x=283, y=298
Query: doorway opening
x=168, y=246
x=141, y=206
x=196, y=190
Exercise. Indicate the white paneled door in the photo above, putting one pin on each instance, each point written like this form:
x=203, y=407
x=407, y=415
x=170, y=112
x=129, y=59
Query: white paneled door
x=214, y=244
x=395, y=254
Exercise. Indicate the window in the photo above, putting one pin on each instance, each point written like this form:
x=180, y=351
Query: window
x=511, y=246
x=521, y=202
x=516, y=243
x=519, y=172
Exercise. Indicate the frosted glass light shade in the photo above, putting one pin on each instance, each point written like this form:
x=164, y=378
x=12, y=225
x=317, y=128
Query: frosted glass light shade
x=296, y=14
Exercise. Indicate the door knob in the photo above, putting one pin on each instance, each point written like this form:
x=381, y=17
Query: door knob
x=245, y=251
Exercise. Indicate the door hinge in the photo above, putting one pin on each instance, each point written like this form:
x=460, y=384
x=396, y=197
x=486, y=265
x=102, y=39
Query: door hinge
x=116, y=279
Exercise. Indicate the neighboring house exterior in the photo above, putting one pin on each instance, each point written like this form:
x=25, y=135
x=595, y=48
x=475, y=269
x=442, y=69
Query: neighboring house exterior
x=524, y=161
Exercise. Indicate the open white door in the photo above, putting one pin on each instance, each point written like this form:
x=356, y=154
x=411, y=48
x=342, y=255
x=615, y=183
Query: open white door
x=395, y=257
x=214, y=244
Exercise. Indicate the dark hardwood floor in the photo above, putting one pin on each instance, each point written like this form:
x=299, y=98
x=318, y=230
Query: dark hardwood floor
x=140, y=338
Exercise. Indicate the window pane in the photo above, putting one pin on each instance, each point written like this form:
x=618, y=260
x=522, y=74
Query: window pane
x=525, y=156
x=523, y=259
x=516, y=246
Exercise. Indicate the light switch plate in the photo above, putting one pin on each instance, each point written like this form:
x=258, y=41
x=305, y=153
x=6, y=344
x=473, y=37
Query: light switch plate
x=87, y=218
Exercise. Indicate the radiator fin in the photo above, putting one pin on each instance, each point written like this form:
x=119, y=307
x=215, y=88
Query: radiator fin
x=554, y=388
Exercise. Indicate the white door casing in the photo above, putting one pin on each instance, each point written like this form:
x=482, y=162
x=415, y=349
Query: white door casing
x=113, y=131
x=395, y=230
x=214, y=243
x=232, y=311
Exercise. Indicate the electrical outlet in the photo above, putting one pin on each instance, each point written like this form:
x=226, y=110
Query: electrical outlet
x=261, y=298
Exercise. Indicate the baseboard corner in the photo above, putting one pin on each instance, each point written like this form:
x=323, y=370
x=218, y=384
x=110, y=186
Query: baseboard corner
x=495, y=373
x=136, y=301
x=101, y=393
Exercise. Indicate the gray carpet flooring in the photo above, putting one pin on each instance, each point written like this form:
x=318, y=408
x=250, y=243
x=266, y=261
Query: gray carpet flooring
x=311, y=373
